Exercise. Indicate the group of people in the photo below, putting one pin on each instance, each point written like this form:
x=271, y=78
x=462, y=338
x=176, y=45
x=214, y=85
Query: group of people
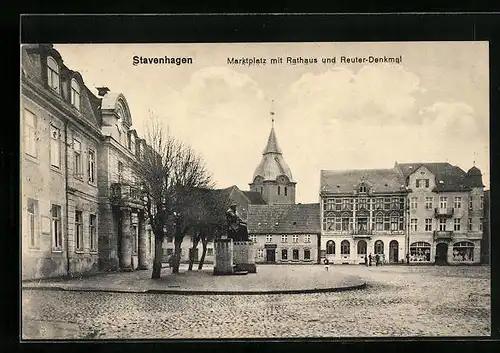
x=379, y=259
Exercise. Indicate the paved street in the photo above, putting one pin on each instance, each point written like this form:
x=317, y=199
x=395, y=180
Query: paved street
x=399, y=301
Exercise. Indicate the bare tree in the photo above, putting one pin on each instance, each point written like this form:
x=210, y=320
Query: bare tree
x=166, y=167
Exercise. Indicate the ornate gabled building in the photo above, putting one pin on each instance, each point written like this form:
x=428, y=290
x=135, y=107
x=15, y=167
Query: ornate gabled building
x=77, y=150
x=273, y=178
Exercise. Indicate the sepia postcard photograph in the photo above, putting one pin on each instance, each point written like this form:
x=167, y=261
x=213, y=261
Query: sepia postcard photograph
x=254, y=190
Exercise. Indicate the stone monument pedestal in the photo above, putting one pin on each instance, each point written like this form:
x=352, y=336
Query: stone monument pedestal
x=223, y=249
x=244, y=256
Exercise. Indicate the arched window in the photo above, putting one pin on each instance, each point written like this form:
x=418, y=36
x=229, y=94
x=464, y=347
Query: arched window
x=75, y=94
x=463, y=251
x=345, y=247
x=53, y=74
x=362, y=247
x=420, y=251
x=379, y=247
x=279, y=190
x=330, y=247
x=286, y=191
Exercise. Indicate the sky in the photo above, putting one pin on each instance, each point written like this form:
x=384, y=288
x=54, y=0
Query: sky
x=432, y=107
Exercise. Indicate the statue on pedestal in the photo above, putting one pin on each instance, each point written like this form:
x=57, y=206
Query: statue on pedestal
x=236, y=227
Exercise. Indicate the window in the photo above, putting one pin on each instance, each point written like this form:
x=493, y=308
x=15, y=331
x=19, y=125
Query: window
x=481, y=202
x=307, y=254
x=261, y=190
x=362, y=247
x=260, y=253
x=420, y=251
x=210, y=252
x=284, y=254
x=379, y=203
x=413, y=224
x=286, y=191
x=442, y=225
x=269, y=238
x=79, y=230
x=307, y=238
x=91, y=166
x=328, y=204
x=463, y=251
x=362, y=203
x=443, y=202
x=457, y=202
x=346, y=222
x=470, y=203
x=56, y=228
x=30, y=139
x=394, y=223
x=469, y=224
x=279, y=190
x=330, y=247
x=387, y=222
x=379, y=247
x=93, y=232
x=53, y=74
x=328, y=223
x=413, y=203
x=120, y=171
x=362, y=188
x=295, y=254
x=135, y=239
x=346, y=204
x=422, y=183
x=75, y=94
x=345, y=247
x=429, y=203
x=295, y=238
x=401, y=223
x=387, y=203
x=481, y=224
x=253, y=238
x=428, y=224
x=33, y=222
x=77, y=150
x=170, y=251
x=284, y=238
x=338, y=204
x=379, y=222
x=456, y=224
x=55, y=146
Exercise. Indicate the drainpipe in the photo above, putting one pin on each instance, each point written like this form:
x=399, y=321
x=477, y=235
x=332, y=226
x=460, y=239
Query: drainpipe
x=67, y=201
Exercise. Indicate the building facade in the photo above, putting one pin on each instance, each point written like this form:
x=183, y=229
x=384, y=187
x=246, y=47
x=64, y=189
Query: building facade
x=419, y=212
x=362, y=213
x=285, y=233
x=446, y=213
x=486, y=241
x=66, y=162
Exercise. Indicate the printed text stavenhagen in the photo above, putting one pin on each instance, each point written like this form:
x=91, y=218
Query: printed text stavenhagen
x=141, y=60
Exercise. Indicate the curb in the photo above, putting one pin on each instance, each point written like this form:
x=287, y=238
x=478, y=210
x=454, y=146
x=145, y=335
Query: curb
x=197, y=292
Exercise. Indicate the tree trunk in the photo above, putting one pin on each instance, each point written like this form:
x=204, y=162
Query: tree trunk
x=196, y=239
x=158, y=256
x=204, y=243
x=177, y=254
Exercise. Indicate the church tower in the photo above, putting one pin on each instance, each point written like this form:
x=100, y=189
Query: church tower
x=272, y=177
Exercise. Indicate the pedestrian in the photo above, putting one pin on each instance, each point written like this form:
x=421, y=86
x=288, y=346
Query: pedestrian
x=377, y=259
x=370, y=259
x=327, y=264
x=407, y=258
x=383, y=259
x=366, y=260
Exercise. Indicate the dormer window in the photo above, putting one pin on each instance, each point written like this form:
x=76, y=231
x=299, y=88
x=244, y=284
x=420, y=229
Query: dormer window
x=362, y=188
x=75, y=94
x=53, y=74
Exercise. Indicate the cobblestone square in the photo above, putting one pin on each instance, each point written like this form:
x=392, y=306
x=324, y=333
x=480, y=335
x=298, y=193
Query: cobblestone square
x=398, y=301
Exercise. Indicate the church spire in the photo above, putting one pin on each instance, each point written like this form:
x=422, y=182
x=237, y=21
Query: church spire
x=272, y=143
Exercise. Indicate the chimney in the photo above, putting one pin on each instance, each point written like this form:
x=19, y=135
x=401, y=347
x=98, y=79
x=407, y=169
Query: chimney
x=102, y=91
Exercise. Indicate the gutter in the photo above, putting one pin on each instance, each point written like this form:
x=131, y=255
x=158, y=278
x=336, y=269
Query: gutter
x=67, y=201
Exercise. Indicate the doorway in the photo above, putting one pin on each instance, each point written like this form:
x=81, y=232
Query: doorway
x=393, y=251
x=270, y=255
x=441, y=254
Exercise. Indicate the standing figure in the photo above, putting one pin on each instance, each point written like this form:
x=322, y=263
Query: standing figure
x=366, y=260
x=370, y=259
x=383, y=259
x=377, y=259
x=327, y=264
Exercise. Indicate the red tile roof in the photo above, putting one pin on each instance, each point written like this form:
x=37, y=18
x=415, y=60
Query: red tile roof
x=284, y=219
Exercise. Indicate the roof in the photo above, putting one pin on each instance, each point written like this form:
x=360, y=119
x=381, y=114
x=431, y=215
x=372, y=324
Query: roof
x=453, y=178
x=272, y=163
x=296, y=218
x=344, y=181
x=254, y=197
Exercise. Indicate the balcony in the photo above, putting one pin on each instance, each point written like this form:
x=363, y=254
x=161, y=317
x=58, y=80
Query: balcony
x=126, y=195
x=443, y=212
x=362, y=234
x=443, y=234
